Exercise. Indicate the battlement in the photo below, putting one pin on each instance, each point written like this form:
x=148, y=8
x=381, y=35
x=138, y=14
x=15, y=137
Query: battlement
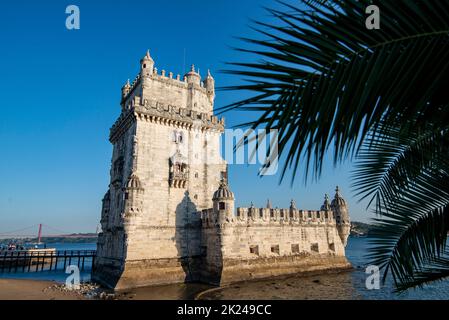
x=167, y=79
x=270, y=216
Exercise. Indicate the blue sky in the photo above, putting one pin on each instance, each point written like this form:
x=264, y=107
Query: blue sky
x=60, y=94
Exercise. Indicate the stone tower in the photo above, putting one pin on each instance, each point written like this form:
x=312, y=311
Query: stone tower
x=165, y=166
x=340, y=208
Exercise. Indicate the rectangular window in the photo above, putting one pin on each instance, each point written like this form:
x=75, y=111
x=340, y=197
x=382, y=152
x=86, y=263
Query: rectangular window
x=275, y=249
x=295, y=248
x=221, y=205
x=254, y=250
x=314, y=247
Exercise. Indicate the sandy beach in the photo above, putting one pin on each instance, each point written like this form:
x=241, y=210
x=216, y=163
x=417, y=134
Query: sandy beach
x=12, y=289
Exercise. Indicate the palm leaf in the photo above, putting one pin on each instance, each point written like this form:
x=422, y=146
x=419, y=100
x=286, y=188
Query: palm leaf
x=325, y=79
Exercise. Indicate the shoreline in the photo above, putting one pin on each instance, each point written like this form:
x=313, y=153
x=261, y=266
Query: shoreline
x=25, y=289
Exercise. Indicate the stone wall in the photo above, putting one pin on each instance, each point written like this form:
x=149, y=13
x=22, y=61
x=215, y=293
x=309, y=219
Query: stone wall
x=262, y=242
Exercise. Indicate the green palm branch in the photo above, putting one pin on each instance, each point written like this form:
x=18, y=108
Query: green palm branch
x=324, y=81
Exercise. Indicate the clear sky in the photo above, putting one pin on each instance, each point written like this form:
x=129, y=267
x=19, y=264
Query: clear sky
x=60, y=94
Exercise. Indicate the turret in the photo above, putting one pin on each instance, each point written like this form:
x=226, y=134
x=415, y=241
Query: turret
x=192, y=76
x=146, y=65
x=133, y=199
x=340, y=209
x=209, y=84
x=223, y=201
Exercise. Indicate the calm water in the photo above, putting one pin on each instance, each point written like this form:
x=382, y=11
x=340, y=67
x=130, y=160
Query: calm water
x=343, y=285
x=355, y=251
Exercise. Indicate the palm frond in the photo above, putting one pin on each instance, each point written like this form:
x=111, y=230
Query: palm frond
x=408, y=179
x=325, y=79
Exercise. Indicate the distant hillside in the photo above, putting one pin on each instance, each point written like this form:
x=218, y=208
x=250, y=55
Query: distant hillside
x=360, y=229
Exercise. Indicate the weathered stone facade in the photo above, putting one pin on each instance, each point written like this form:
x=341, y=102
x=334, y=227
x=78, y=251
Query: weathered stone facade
x=168, y=215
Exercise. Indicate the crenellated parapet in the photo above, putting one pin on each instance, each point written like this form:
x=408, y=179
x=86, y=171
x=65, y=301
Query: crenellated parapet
x=333, y=215
x=266, y=216
x=168, y=78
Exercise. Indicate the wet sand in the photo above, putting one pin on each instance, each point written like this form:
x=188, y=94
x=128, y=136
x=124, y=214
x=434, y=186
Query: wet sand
x=12, y=289
x=182, y=291
x=329, y=286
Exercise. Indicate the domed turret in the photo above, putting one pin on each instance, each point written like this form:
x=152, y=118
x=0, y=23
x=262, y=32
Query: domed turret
x=133, y=199
x=223, y=200
x=340, y=208
x=192, y=76
x=338, y=199
x=223, y=192
x=146, y=65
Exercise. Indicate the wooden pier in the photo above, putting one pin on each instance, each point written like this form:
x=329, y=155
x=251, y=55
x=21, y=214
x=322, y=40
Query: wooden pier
x=45, y=260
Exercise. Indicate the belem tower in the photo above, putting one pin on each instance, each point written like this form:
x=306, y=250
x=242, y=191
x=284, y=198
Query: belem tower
x=168, y=215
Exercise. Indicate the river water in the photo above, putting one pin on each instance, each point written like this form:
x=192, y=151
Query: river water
x=345, y=285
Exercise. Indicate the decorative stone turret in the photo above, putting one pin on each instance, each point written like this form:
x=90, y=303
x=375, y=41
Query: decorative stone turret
x=209, y=84
x=193, y=77
x=340, y=208
x=146, y=71
x=133, y=191
x=223, y=200
x=146, y=65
